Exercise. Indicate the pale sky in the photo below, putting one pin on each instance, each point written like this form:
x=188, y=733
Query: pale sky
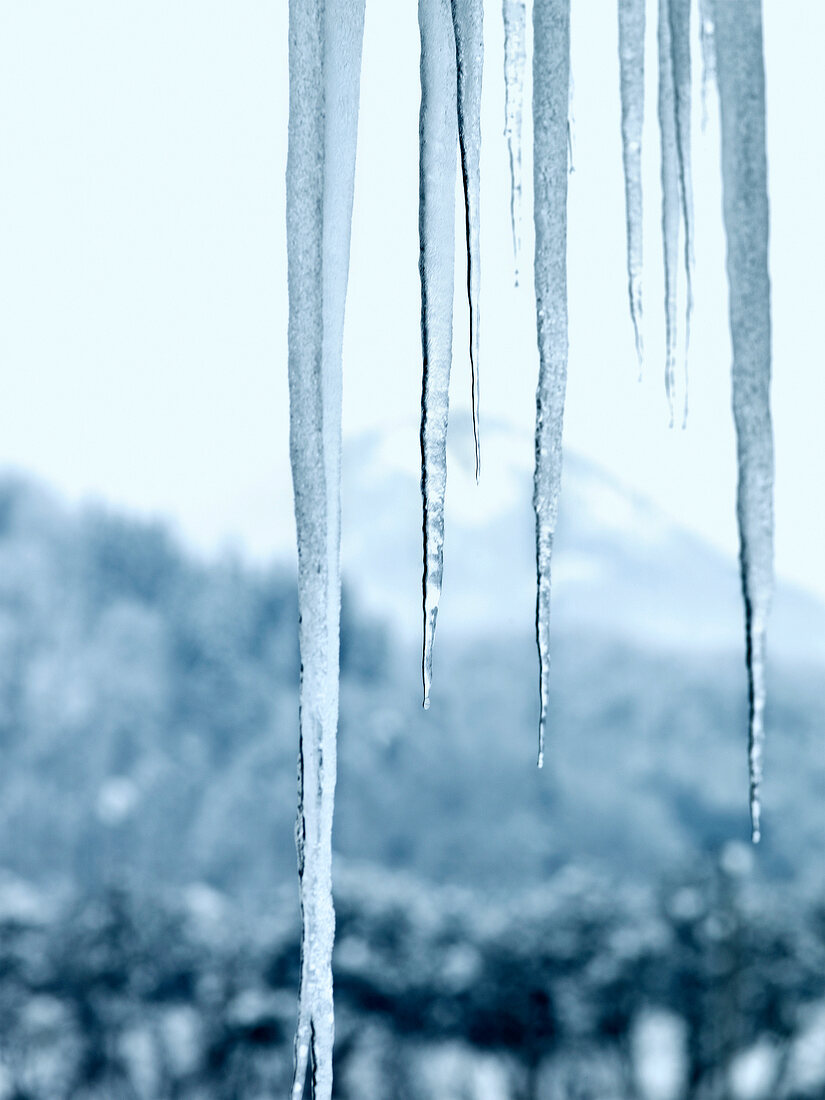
x=143, y=268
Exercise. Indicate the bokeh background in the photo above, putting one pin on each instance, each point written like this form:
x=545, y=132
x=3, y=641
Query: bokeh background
x=601, y=930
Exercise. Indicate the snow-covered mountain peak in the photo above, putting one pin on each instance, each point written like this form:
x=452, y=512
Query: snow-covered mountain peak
x=620, y=565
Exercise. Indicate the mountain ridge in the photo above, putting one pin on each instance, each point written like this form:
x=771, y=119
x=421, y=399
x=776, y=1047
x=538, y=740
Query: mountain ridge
x=620, y=565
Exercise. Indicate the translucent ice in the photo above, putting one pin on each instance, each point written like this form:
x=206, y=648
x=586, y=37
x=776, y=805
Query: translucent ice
x=324, y=74
x=740, y=76
x=551, y=80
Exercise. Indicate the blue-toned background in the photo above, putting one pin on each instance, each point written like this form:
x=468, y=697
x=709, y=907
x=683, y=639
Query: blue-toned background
x=599, y=931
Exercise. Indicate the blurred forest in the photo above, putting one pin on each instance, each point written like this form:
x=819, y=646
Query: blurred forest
x=599, y=932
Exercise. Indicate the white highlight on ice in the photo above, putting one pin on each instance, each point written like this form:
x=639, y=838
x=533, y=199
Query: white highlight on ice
x=551, y=82
x=515, y=60
x=325, y=39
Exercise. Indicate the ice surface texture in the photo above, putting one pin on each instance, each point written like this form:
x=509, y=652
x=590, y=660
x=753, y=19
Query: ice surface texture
x=551, y=82
x=515, y=59
x=325, y=39
x=740, y=77
x=677, y=190
x=632, y=74
x=438, y=133
x=452, y=54
x=469, y=52
x=325, y=62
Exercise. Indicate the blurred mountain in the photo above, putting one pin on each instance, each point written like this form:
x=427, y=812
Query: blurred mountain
x=647, y=756
x=620, y=567
x=148, y=700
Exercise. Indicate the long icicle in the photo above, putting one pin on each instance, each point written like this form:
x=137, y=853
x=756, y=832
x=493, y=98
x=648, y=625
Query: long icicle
x=632, y=79
x=671, y=207
x=325, y=39
x=680, y=57
x=515, y=59
x=677, y=189
x=551, y=80
x=469, y=48
x=740, y=76
x=438, y=140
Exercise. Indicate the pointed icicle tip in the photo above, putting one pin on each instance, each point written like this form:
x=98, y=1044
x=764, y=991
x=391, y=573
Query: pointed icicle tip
x=551, y=73
x=325, y=38
x=740, y=81
x=677, y=190
x=438, y=139
x=430, y=616
x=544, y=669
x=631, y=69
x=755, y=799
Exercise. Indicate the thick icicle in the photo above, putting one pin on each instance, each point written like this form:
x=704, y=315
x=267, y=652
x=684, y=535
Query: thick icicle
x=632, y=72
x=677, y=190
x=551, y=75
x=469, y=50
x=515, y=58
x=438, y=139
x=324, y=72
x=740, y=76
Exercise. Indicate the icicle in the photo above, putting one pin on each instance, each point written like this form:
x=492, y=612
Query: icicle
x=680, y=52
x=551, y=75
x=677, y=190
x=438, y=136
x=515, y=57
x=670, y=193
x=469, y=49
x=740, y=78
x=632, y=62
x=324, y=69
x=708, y=53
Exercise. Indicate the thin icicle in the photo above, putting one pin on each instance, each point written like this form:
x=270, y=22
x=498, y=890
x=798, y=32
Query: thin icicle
x=670, y=194
x=632, y=75
x=438, y=139
x=680, y=52
x=677, y=191
x=551, y=76
x=469, y=50
x=515, y=59
x=706, y=34
x=741, y=83
x=324, y=73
